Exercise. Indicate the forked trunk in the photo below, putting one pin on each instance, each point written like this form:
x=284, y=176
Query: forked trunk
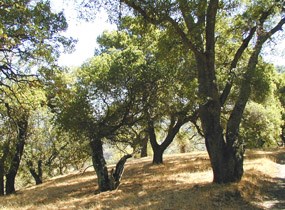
x=226, y=156
x=99, y=165
x=158, y=149
x=106, y=182
x=117, y=173
x=226, y=161
x=36, y=175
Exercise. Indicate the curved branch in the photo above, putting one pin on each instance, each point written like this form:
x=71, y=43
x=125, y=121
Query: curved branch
x=234, y=62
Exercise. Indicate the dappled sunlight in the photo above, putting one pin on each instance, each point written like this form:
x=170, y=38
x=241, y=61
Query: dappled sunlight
x=192, y=178
x=264, y=165
x=184, y=181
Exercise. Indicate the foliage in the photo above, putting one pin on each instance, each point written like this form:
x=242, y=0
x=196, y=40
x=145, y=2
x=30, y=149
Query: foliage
x=56, y=149
x=280, y=93
x=16, y=110
x=261, y=125
x=30, y=38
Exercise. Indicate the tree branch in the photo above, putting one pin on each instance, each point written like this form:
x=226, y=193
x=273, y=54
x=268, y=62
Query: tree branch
x=234, y=62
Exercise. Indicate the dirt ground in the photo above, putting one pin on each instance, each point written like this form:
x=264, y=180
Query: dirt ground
x=275, y=188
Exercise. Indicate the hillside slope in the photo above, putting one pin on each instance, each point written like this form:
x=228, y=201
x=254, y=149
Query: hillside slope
x=183, y=182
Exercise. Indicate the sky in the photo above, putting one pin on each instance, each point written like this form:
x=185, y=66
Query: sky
x=87, y=33
x=276, y=53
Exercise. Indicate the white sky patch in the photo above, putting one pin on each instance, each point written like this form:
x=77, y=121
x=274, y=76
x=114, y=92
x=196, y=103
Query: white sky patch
x=276, y=53
x=85, y=32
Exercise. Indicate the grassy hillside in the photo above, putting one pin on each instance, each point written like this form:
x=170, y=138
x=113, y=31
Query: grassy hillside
x=183, y=182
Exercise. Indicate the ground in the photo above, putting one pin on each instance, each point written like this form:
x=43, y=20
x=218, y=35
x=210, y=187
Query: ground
x=182, y=182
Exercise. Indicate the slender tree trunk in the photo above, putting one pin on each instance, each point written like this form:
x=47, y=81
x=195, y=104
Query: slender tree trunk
x=99, y=164
x=144, y=142
x=282, y=135
x=14, y=166
x=182, y=148
x=116, y=175
x=158, y=149
x=1, y=180
x=36, y=175
x=5, y=152
x=61, y=166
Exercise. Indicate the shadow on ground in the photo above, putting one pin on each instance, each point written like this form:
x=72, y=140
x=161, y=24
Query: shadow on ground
x=183, y=182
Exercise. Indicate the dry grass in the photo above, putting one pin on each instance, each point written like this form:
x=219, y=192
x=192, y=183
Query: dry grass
x=182, y=182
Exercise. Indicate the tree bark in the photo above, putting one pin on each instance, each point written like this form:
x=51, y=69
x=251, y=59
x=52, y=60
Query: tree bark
x=5, y=151
x=282, y=135
x=158, y=149
x=106, y=182
x=36, y=175
x=215, y=144
x=2, y=180
x=157, y=155
x=99, y=165
x=116, y=175
x=144, y=147
x=22, y=125
x=226, y=158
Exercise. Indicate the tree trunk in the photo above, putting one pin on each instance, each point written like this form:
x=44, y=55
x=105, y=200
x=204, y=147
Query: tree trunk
x=157, y=155
x=215, y=144
x=61, y=166
x=10, y=182
x=226, y=159
x=116, y=175
x=227, y=155
x=144, y=147
x=226, y=163
x=14, y=166
x=2, y=180
x=158, y=149
x=5, y=152
x=282, y=135
x=99, y=165
x=182, y=148
x=36, y=175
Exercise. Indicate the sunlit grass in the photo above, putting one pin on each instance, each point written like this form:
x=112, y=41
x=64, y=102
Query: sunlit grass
x=184, y=181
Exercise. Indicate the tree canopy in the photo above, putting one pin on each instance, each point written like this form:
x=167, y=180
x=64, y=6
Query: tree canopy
x=30, y=38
